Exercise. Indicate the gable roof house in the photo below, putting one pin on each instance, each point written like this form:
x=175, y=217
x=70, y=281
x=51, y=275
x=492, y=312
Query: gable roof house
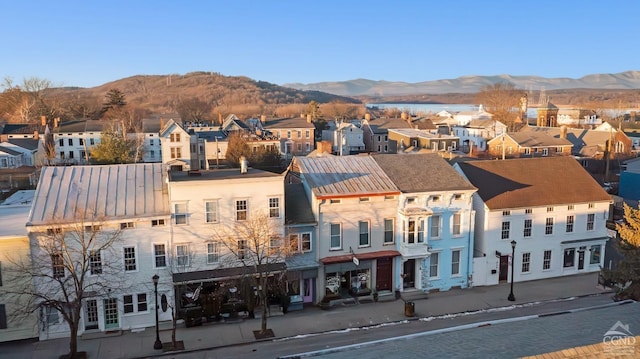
x=345, y=138
x=10, y=158
x=376, y=133
x=296, y=134
x=181, y=149
x=591, y=146
x=433, y=227
x=527, y=144
x=130, y=202
x=407, y=140
x=475, y=134
x=550, y=208
x=27, y=146
x=353, y=200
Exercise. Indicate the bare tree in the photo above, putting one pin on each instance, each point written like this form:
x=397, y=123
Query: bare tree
x=503, y=101
x=255, y=243
x=68, y=265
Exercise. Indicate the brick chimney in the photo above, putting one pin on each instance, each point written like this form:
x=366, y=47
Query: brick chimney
x=563, y=132
x=403, y=116
x=35, y=134
x=43, y=120
x=56, y=122
x=309, y=118
x=263, y=118
x=367, y=116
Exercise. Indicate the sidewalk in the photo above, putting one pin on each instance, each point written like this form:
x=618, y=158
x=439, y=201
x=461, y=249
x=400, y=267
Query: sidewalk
x=314, y=320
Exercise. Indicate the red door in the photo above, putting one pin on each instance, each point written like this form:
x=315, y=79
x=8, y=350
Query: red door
x=383, y=273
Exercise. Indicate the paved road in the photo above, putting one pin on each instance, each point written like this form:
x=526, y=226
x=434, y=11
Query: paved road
x=454, y=344
x=507, y=340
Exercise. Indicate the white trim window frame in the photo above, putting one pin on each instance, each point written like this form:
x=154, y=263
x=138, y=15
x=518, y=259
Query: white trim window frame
x=135, y=303
x=274, y=207
x=211, y=211
x=130, y=258
x=434, y=265
x=456, y=224
x=159, y=255
x=456, y=256
x=213, y=252
x=95, y=262
x=364, y=229
x=335, y=236
x=435, y=226
x=241, y=209
x=180, y=213
x=546, y=259
x=182, y=254
x=389, y=231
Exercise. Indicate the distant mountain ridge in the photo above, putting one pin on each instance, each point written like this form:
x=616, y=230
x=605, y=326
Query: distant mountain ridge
x=471, y=84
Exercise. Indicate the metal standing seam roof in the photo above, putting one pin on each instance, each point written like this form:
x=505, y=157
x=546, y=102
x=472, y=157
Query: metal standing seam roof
x=111, y=192
x=345, y=176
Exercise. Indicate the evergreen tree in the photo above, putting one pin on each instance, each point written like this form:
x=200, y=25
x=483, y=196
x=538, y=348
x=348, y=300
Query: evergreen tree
x=626, y=274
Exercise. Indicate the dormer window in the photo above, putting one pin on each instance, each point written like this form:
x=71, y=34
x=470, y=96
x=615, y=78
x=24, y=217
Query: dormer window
x=411, y=200
x=457, y=196
x=435, y=198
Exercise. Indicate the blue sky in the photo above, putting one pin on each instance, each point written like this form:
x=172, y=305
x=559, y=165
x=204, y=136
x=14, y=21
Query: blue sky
x=89, y=43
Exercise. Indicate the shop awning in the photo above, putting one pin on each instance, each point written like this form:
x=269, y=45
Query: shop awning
x=360, y=256
x=226, y=273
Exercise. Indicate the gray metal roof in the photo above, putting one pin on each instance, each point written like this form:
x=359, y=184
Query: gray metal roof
x=425, y=172
x=111, y=192
x=219, y=174
x=290, y=122
x=26, y=143
x=345, y=176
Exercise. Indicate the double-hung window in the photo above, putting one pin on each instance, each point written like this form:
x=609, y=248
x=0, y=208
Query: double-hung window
x=336, y=236
x=506, y=226
x=548, y=228
x=57, y=264
x=570, y=220
x=182, y=255
x=160, y=255
x=364, y=234
x=528, y=224
x=434, y=260
x=180, y=213
x=435, y=226
x=388, y=231
x=546, y=260
x=95, y=262
x=526, y=262
x=241, y=210
x=274, y=207
x=213, y=252
x=456, y=227
x=591, y=218
x=130, y=259
x=211, y=211
x=455, y=262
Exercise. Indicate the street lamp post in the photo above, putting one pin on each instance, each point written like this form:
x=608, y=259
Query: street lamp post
x=511, y=297
x=158, y=343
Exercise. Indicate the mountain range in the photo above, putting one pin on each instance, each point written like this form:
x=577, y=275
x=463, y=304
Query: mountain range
x=628, y=80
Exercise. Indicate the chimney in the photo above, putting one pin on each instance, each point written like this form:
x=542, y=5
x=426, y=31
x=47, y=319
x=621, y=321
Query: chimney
x=263, y=118
x=367, y=116
x=309, y=118
x=35, y=134
x=403, y=115
x=243, y=165
x=563, y=132
x=302, y=115
x=43, y=120
x=56, y=122
x=219, y=119
x=161, y=123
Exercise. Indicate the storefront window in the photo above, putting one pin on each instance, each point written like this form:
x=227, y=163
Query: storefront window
x=360, y=282
x=332, y=283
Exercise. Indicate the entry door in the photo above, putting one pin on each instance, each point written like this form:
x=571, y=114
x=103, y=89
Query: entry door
x=110, y=313
x=383, y=273
x=580, y=260
x=91, y=314
x=504, y=268
x=409, y=274
x=307, y=290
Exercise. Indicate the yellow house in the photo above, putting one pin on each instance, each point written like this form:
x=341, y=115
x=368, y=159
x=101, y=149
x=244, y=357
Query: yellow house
x=14, y=247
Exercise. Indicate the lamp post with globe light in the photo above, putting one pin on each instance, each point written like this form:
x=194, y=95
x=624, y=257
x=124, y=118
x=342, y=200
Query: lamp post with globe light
x=158, y=343
x=511, y=297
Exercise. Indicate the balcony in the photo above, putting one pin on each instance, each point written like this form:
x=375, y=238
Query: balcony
x=414, y=250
